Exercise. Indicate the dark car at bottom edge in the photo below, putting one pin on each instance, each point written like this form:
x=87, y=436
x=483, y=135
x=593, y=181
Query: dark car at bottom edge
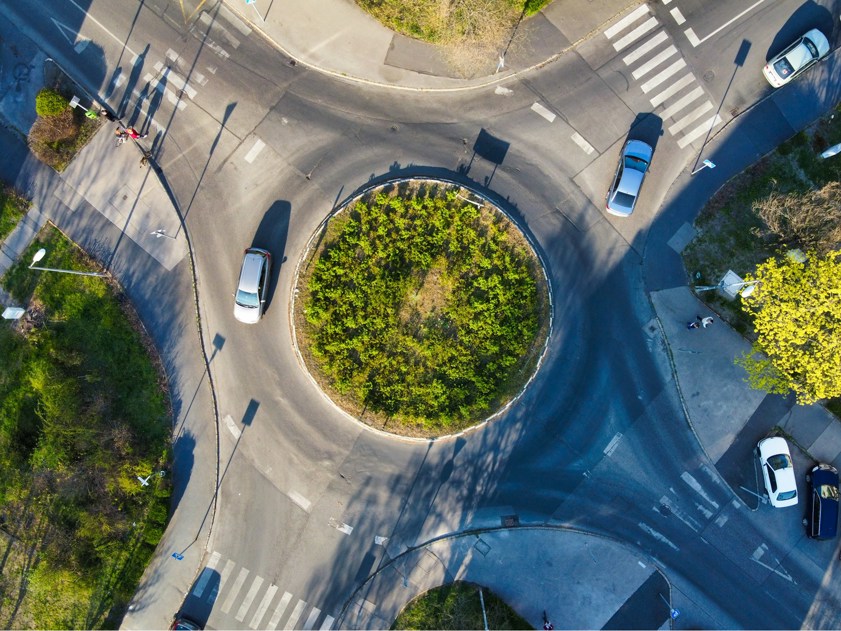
x=821, y=519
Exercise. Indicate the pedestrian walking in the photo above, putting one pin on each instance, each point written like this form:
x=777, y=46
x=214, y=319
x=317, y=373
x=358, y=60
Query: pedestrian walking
x=705, y=322
x=134, y=134
x=121, y=135
x=547, y=626
x=693, y=325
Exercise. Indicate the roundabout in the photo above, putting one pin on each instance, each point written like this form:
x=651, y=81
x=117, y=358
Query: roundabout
x=420, y=310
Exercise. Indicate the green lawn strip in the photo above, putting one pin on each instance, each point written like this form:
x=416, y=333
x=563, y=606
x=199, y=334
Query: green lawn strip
x=458, y=606
x=13, y=208
x=83, y=412
x=424, y=309
x=732, y=236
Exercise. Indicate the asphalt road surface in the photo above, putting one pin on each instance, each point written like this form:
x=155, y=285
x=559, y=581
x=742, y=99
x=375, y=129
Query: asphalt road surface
x=258, y=151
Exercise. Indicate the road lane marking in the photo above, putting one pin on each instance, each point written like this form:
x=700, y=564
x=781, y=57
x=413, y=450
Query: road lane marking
x=651, y=43
x=642, y=565
x=545, y=113
x=175, y=79
x=629, y=19
x=300, y=500
x=249, y=598
x=693, y=39
x=263, y=607
x=579, y=140
x=695, y=486
x=703, y=510
x=327, y=624
x=226, y=572
x=156, y=84
x=293, y=617
x=700, y=130
x=634, y=35
x=278, y=612
x=343, y=527
x=659, y=536
x=722, y=519
x=611, y=446
x=88, y=17
x=232, y=427
x=678, y=105
x=655, y=61
x=673, y=89
x=232, y=595
x=311, y=619
x=254, y=151
x=659, y=78
x=379, y=540
x=678, y=16
x=686, y=519
x=691, y=117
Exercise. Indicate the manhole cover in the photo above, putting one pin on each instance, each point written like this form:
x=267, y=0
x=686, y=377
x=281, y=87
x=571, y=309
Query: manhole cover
x=709, y=75
x=509, y=521
x=665, y=510
x=482, y=547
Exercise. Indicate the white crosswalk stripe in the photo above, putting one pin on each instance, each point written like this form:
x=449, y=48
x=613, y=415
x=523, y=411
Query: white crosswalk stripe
x=657, y=63
x=258, y=596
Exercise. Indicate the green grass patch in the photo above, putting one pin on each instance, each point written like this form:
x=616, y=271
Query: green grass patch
x=422, y=312
x=83, y=412
x=13, y=208
x=457, y=606
x=731, y=233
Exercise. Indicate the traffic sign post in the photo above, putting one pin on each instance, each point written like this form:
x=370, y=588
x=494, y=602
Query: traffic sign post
x=253, y=3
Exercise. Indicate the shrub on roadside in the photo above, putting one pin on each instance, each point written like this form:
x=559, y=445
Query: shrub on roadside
x=52, y=138
x=48, y=102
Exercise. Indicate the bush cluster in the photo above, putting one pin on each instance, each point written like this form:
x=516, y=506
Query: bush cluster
x=422, y=308
x=48, y=102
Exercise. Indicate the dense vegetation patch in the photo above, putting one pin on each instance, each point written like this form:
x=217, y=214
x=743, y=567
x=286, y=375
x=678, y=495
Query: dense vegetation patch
x=13, y=207
x=83, y=412
x=457, y=606
x=424, y=309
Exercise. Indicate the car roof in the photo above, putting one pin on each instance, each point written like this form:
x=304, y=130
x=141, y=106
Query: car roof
x=252, y=264
x=773, y=446
x=631, y=182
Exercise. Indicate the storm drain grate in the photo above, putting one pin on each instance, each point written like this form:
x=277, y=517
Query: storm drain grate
x=509, y=521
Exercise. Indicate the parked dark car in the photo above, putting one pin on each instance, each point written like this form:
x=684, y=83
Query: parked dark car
x=821, y=519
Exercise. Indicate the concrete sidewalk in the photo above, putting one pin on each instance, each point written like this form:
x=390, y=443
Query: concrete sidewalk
x=340, y=39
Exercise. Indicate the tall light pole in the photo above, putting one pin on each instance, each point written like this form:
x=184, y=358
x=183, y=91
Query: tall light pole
x=42, y=252
x=749, y=286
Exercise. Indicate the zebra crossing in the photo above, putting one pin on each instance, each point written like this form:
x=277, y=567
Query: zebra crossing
x=240, y=596
x=663, y=76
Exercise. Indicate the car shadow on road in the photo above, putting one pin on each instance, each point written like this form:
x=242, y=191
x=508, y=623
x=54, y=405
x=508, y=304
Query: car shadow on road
x=271, y=235
x=808, y=15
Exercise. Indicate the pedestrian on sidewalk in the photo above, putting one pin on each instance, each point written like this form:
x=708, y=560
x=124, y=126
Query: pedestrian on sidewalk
x=121, y=135
x=693, y=325
x=547, y=626
x=134, y=134
x=705, y=322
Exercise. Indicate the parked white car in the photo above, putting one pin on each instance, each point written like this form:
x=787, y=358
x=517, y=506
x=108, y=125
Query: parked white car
x=802, y=54
x=777, y=471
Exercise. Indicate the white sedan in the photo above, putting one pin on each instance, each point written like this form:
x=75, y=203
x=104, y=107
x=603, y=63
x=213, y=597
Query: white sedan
x=777, y=471
x=802, y=54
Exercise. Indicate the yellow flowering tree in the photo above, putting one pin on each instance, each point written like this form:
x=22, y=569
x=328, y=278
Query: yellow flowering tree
x=797, y=315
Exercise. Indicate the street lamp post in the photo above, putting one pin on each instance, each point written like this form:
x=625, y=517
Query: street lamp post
x=42, y=252
x=749, y=286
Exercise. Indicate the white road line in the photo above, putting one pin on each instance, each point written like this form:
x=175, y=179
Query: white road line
x=650, y=44
x=690, y=35
x=660, y=77
x=704, y=510
x=545, y=113
x=158, y=85
x=722, y=519
x=379, y=540
x=690, y=118
x=254, y=151
x=232, y=595
x=678, y=16
x=673, y=89
x=655, y=61
x=722, y=27
x=611, y=446
x=88, y=17
x=657, y=535
x=686, y=519
x=327, y=624
x=226, y=572
x=300, y=500
x=263, y=607
x=632, y=17
x=278, y=612
x=578, y=139
x=249, y=598
x=232, y=427
x=699, y=131
x=678, y=105
x=343, y=527
x=695, y=486
x=634, y=35
x=666, y=1
x=214, y=559
x=310, y=622
x=293, y=617
x=207, y=20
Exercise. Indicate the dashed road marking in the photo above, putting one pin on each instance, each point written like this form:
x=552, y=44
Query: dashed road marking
x=310, y=621
x=699, y=131
x=611, y=446
x=629, y=19
x=292, y=622
x=678, y=16
x=634, y=35
x=673, y=89
x=300, y=500
x=691, y=117
x=660, y=77
x=681, y=103
x=249, y=598
x=695, y=486
x=658, y=536
x=279, y=610
x=650, y=44
x=343, y=527
x=327, y=624
x=232, y=595
x=544, y=112
x=655, y=61
x=263, y=607
x=578, y=139
x=232, y=426
x=254, y=151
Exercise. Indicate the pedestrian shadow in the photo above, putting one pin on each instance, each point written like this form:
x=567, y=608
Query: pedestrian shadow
x=134, y=76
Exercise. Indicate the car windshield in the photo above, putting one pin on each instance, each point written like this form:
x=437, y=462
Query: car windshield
x=813, y=50
x=247, y=299
x=783, y=68
x=787, y=495
x=828, y=492
x=623, y=199
x=780, y=461
x=638, y=164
